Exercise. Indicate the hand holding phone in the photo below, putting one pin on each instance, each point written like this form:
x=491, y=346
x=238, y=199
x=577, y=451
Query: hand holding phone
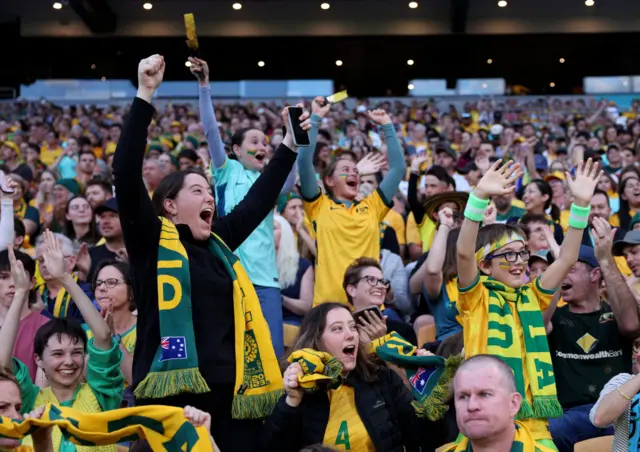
x=295, y=118
x=4, y=184
x=370, y=323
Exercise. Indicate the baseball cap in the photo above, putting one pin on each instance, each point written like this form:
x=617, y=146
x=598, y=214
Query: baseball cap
x=587, y=256
x=541, y=162
x=555, y=175
x=543, y=255
x=447, y=150
x=630, y=238
x=110, y=205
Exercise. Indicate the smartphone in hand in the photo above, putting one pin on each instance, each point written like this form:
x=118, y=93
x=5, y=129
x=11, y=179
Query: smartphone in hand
x=300, y=136
x=361, y=313
x=4, y=186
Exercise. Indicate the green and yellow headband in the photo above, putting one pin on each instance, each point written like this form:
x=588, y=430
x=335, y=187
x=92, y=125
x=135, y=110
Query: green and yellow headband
x=492, y=247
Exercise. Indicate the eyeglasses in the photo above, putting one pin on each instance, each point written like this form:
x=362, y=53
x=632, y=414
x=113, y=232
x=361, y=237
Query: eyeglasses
x=40, y=259
x=373, y=281
x=512, y=256
x=109, y=282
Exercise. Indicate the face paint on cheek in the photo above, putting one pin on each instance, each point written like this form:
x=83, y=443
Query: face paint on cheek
x=504, y=265
x=343, y=176
x=252, y=152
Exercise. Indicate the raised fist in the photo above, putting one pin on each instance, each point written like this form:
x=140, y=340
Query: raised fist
x=150, y=73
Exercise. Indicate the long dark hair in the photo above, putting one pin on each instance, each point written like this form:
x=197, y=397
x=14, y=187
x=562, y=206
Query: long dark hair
x=170, y=186
x=310, y=336
x=450, y=264
x=545, y=189
x=623, y=211
x=124, y=269
x=92, y=236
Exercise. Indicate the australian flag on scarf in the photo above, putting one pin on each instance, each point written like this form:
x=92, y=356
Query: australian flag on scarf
x=420, y=379
x=173, y=347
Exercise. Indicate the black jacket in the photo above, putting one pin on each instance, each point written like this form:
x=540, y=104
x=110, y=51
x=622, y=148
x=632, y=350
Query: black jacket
x=383, y=405
x=211, y=286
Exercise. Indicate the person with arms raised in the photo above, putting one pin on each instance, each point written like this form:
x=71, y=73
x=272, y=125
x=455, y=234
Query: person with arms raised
x=233, y=179
x=501, y=315
x=202, y=338
x=346, y=229
x=61, y=348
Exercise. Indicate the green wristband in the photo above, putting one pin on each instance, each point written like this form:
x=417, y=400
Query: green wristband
x=475, y=208
x=579, y=216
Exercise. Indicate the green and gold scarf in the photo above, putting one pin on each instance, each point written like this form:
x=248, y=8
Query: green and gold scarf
x=258, y=384
x=523, y=441
x=321, y=370
x=429, y=376
x=62, y=301
x=504, y=342
x=163, y=427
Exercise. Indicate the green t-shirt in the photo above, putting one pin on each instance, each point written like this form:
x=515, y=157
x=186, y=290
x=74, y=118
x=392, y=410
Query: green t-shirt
x=587, y=351
x=103, y=377
x=514, y=212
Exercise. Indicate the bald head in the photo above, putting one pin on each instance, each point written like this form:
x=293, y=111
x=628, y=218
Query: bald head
x=486, y=399
x=489, y=361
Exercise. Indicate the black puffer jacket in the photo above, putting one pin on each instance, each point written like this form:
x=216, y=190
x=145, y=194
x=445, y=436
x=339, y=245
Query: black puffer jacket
x=383, y=405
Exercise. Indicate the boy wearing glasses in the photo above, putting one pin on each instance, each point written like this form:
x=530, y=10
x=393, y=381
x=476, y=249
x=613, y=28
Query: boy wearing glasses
x=365, y=287
x=500, y=314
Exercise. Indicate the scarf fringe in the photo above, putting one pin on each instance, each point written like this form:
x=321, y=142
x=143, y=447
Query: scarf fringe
x=525, y=411
x=547, y=406
x=254, y=406
x=157, y=385
x=435, y=406
x=333, y=368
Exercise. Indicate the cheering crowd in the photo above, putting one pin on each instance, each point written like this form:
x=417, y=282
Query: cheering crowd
x=409, y=279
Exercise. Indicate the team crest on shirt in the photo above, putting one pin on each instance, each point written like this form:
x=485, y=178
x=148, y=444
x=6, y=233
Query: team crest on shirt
x=606, y=317
x=362, y=209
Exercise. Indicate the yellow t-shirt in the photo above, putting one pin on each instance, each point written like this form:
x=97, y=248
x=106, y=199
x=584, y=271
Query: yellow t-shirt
x=421, y=234
x=473, y=306
x=345, y=430
x=343, y=234
x=412, y=233
x=395, y=220
x=48, y=156
x=128, y=339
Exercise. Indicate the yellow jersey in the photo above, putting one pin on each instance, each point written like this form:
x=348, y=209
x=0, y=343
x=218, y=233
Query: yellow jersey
x=343, y=234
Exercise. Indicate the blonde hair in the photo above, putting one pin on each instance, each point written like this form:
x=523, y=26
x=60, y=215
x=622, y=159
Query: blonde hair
x=287, y=257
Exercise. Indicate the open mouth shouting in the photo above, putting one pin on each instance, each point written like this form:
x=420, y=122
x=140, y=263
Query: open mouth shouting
x=259, y=154
x=206, y=215
x=349, y=351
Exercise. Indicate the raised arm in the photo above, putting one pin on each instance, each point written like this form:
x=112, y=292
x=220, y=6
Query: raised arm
x=308, y=183
x=498, y=180
x=619, y=295
x=9, y=329
x=7, y=230
x=54, y=260
x=235, y=227
x=582, y=188
x=432, y=281
x=140, y=224
x=397, y=167
x=200, y=69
